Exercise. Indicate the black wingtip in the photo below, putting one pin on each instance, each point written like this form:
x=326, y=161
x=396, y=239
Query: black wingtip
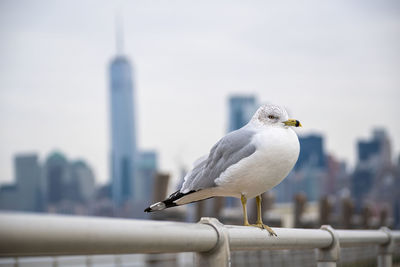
x=148, y=210
x=168, y=203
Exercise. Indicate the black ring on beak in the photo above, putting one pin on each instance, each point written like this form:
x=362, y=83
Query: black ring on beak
x=297, y=123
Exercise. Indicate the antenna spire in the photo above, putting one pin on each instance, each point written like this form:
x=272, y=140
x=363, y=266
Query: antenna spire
x=119, y=31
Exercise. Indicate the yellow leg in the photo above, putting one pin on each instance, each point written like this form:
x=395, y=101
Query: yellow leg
x=259, y=211
x=244, y=201
x=259, y=222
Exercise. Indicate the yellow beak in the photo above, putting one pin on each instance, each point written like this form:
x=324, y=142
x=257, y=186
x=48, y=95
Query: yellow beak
x=292, y=122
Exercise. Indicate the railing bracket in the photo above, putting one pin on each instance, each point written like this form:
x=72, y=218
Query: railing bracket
x=329, y=256
x=385, y=251
x=220, y=254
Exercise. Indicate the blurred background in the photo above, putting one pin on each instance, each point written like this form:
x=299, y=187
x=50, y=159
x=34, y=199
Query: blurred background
x=104, y=106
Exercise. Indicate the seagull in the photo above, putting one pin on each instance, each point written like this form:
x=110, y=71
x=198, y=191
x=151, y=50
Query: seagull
x=243, y=164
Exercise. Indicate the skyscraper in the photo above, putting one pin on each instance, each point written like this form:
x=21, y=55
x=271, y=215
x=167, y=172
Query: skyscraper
x=241, y=109
x=123, y=134
x=311, y=152
x=83, y=178
x=374, y=169
x=146, y=170
x=57, y=178
x=28, y=173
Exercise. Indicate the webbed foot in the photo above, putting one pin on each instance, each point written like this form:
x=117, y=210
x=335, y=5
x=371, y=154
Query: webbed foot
x=266, y=227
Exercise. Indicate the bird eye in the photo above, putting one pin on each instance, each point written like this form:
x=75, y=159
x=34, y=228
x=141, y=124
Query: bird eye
x=272, y=117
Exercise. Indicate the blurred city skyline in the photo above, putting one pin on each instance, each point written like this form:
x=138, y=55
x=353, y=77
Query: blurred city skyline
x=335, y=67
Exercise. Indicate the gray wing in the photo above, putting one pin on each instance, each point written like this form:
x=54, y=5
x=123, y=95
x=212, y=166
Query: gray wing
x=229, y=150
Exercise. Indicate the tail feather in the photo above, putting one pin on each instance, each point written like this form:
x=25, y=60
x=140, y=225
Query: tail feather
x=167, y=203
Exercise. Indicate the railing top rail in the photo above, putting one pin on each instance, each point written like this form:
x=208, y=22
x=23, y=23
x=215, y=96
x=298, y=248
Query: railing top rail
x=351, y=238
x=28, y=235
x=246, y=238
x=396, y=236
x=41, y=235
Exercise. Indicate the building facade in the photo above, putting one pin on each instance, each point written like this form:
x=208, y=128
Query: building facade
x=57, y=178
x=375, y=176
x=241, y=109
x=123, y=134
x=28, y=178
x=83, y=179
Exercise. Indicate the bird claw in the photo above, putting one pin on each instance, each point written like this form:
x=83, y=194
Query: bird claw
x=265, y=227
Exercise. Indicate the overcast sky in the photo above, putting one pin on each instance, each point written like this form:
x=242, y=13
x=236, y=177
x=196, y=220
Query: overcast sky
x=335, y=66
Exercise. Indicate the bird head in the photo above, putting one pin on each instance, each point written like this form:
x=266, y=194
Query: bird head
x=274, y=115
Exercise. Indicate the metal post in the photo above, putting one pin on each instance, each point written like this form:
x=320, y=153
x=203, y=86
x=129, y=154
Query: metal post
x=55, y=261
x=385, y=251
x=117, y=260
x=89, y=261
x=220, y=254
x=329, y=256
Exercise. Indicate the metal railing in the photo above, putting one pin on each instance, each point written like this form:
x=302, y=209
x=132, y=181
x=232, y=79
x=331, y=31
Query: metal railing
x=51, y=235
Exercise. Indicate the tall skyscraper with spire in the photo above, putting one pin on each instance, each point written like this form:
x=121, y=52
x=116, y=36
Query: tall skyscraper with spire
x=123, y=130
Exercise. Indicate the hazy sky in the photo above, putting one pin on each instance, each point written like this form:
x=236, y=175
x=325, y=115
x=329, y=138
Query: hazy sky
x=335, y=65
